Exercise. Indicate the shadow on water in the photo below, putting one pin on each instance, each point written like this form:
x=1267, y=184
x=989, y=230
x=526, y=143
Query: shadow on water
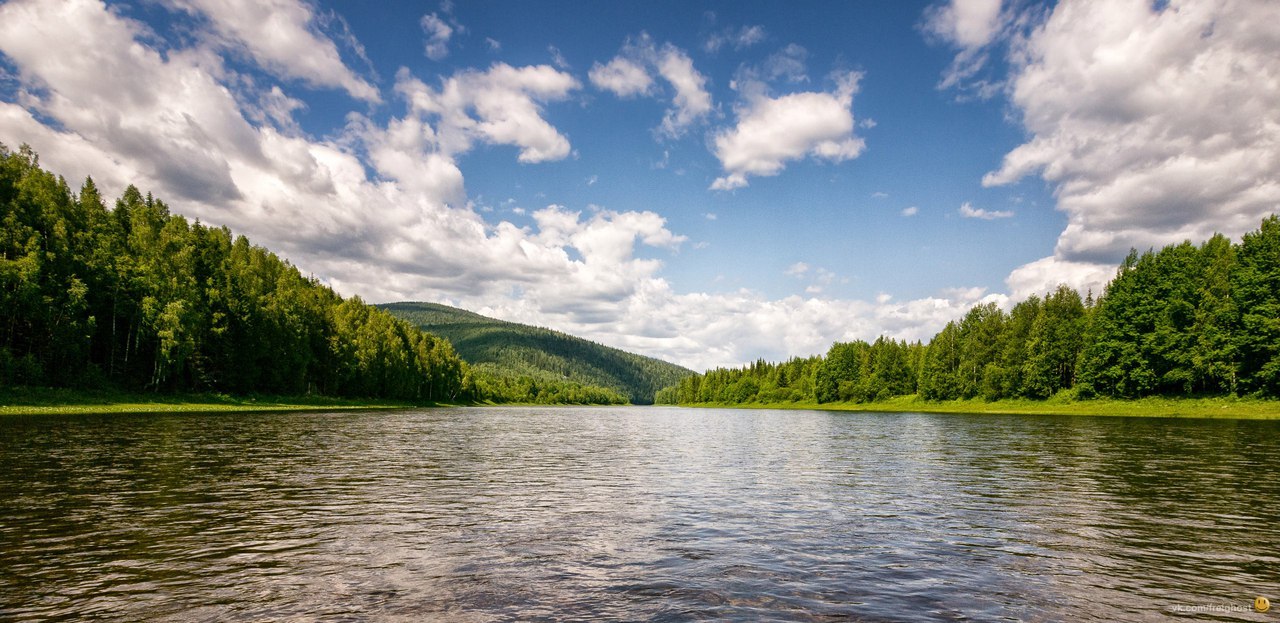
x=657, y=514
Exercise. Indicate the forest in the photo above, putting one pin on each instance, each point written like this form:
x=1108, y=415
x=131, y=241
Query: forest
x=1185, y=320
x=516, y=354
x=137, y=298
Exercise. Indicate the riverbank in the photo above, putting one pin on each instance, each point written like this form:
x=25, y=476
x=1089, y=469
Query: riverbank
x=1223, y=408
x=40, y=401
x=47, y=401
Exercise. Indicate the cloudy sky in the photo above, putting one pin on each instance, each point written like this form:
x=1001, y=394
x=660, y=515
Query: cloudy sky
x=708, y=183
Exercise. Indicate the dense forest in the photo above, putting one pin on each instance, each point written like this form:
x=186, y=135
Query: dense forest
x=1186, y=320
x=510, y=355
x=136, y=298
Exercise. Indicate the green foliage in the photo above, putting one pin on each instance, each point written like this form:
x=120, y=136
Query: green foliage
x=136, y=298
x=789, y=381
x=1181, y=321
x=508, y=356
x=1256, y=296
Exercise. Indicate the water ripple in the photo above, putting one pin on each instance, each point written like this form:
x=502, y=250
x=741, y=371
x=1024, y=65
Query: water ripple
x=526, y=514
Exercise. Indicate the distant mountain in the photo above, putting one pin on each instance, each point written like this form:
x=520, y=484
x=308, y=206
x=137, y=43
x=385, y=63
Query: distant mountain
x=510, y=349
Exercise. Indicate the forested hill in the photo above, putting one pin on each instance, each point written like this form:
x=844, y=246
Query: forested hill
x=516, y=350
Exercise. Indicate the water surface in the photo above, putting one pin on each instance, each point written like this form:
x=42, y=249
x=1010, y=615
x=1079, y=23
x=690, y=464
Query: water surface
x=636, y=514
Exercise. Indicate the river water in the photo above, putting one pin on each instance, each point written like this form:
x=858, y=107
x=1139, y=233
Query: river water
x=634, y=513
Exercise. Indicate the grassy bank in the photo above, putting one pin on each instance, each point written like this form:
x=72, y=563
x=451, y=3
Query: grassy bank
x=1226, y=408
x=35, y=400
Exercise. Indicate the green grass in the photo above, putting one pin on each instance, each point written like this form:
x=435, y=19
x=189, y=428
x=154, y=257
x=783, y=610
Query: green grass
x=1226, y=408
x=35, y=400
x=30, y=400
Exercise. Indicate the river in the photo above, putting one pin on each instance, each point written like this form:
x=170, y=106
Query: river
x=636, y=513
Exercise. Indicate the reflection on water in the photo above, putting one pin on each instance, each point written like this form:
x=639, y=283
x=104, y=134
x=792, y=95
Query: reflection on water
x=636, y=513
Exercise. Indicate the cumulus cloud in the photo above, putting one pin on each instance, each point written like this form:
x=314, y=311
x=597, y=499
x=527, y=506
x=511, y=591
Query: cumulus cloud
x=280, y=35
x=1155, y=123
x=630, y=73
x=910, y=211
x=623, y=77
x=692, y=101
x=966, y=23
x=968, y=211
x=1045, y=274
x=703, y=331
x=502, y=106
x=774, y=131
x=438, y=33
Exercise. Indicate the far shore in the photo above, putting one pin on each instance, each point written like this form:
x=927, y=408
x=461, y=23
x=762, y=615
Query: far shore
x=41, y=401
x=1215, y=408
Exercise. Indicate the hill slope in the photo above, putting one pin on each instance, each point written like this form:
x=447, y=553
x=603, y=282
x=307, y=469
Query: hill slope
x=511, y=349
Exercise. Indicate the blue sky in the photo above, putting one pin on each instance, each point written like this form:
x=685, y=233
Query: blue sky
x=704, y=182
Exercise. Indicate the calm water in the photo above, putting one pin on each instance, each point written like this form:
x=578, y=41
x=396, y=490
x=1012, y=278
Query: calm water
x=636, y=514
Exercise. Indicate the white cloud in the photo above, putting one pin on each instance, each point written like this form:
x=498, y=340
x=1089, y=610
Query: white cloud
x=623, y=77
x=798, y=269
x=281, y=37
x=710, y=216
x=968, y=211
x=438, y=34
x=275, y=107
x=506, y=102
x=773, y=131
x=879, y=194
x=494, y=44
x=703, y=331
x=1043, y=275
x=965, y=23
x=629, y=74
x=1155, y=124
x=692, y=101
x=971, y=26
x=739, y=38
x=910, y=211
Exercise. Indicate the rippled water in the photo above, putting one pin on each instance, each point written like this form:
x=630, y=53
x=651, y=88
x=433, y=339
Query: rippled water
x=636, y=513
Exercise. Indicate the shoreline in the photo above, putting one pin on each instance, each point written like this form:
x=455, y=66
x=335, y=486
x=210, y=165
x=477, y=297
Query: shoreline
x=45, y=401
x=61, y=401
x=1190, y=408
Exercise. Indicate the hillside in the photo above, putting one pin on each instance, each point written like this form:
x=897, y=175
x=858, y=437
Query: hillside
x=510, y=349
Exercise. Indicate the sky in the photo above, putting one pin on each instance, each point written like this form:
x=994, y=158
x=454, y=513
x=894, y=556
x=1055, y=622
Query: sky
x=708, y=183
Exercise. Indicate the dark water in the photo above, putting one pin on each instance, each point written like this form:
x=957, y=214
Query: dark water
x=636, y=514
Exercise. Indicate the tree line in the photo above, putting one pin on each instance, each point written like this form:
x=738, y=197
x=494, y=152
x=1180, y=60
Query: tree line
x=137, y=298
x=1185, y=320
